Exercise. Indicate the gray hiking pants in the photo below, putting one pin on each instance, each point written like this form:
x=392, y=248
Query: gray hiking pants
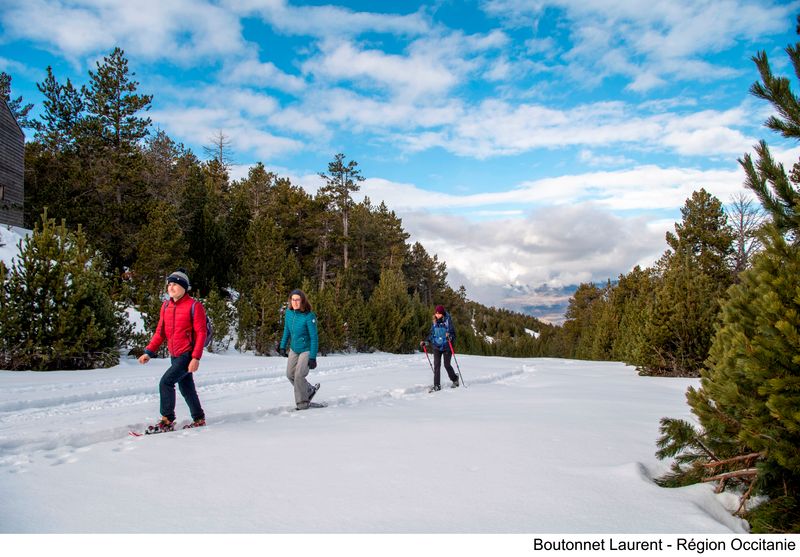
x=297, y=371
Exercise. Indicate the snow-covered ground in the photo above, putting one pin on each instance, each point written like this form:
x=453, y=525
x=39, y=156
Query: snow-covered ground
x=10, y=237
x=532, y=445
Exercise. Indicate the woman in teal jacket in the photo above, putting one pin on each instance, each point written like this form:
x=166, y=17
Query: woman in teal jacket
x=300, y=332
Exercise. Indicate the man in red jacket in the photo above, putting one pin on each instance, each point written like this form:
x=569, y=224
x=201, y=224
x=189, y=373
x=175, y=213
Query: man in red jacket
x=185, y=335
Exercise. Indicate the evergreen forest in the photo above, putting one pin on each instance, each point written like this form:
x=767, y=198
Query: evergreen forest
x=116, y=205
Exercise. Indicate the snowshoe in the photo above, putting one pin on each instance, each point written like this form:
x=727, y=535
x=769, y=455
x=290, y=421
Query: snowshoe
x=311, y=405
x=435, y=388
x=197, y=423
x=314, y=390
x=455, y=384
x=162, y=426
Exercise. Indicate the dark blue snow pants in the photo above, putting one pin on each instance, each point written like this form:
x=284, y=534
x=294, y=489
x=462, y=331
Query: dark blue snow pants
x=178, y=373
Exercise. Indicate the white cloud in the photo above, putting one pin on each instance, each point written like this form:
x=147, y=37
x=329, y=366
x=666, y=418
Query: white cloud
x=250, y=103
x=326, y=21
x=405, y=76
x=179, y=30
x=508, y=260
x=264, y=144
x=591, y=158
x=497, y=127
x=709, y=140
x=642, y=188
x=14, y=67
x=646, y=81
x=573, y=231
x=428, y=67
x=651, y=43
x=639, y=188
x=237, y=119
x=261, y=74
x=352, y=111
x=500, y=70
x=303, y=122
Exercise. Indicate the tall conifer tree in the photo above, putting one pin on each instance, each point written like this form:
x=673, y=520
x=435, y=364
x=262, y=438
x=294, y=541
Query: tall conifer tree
x=749, y=395
x=18, y=108
x=340, y=182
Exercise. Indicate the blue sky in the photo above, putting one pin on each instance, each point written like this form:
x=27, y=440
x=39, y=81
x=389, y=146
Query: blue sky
x=532, y=145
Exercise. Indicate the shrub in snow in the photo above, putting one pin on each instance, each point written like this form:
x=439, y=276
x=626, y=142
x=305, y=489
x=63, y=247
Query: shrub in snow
x=56, y=310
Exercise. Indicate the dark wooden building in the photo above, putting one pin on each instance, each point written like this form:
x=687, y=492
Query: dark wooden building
x=12, y=164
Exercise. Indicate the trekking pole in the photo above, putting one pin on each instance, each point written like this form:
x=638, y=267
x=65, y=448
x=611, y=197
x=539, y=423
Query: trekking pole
x=425, y=348
x=458, y=367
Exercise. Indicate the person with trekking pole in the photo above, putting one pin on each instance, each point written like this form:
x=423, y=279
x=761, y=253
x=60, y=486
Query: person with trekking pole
x=182, y=324
x=441, y=338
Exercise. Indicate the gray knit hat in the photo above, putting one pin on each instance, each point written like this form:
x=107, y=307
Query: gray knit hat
x=180, y=277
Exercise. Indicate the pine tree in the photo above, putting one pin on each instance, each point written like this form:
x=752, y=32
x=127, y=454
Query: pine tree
x=161, y=250
x=750, y=390
x=220, y=150
x=605, y=325
x=62, y=114
x=397, y=326
x=324, y=255
x=632, y=298
x=297, y=215
x=694, y=276
x=54, y=170
x=680, y=324
x=580, y=314
x=110, y=140
x=357, y=321
x=18, y=109
x=165, y=169
x=330, y=319
x=342, y=180
x=113, y=105
x=427, y=275
x=204, y=209
x=57, y=310
x=766, y=177
x=53, y=181
x=705, y=236
x=746, y=221
x=263, y=286
x=222, y=316
x=377, y=241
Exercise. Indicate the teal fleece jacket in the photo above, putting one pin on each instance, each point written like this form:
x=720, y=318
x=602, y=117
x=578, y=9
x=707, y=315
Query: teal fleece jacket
x=300, y=331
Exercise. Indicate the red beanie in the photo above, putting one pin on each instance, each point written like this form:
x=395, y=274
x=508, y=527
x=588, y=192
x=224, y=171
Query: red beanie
x=440, y=309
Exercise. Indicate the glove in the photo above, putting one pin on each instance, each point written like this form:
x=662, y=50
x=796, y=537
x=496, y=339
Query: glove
x=312, y=363
x=282, y=352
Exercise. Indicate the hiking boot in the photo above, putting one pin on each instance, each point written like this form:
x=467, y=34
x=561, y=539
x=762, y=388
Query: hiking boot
x=435, y=388
x=161, y=426
x=313, y=391
x=200, y=422
x=454, y=384
x=302, y=406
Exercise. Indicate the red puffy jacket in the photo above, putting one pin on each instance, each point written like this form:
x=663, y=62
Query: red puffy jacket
x=176, y=324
